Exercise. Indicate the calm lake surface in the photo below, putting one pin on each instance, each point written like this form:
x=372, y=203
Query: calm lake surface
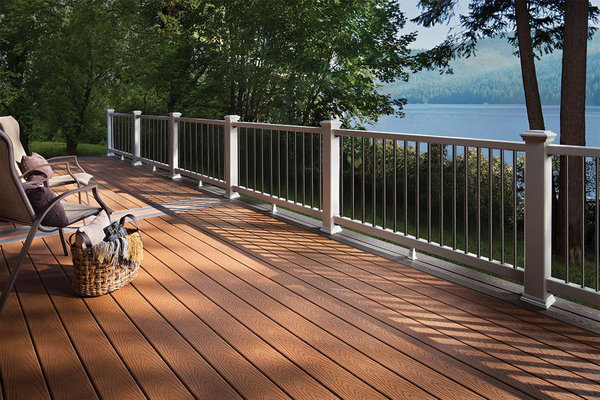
x=483, y=121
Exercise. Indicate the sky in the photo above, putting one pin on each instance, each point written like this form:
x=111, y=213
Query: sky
x=429, y=37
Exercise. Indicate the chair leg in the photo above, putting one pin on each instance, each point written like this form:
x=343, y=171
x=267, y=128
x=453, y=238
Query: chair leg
x=63, y=241
x=13, y=275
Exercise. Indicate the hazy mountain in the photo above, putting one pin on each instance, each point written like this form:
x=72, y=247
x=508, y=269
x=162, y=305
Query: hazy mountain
x=494, y=76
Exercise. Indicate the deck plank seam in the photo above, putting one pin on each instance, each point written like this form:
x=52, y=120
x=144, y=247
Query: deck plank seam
x=119, y=213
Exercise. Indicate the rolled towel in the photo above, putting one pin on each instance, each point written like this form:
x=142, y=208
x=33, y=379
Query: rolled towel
x=93, y=230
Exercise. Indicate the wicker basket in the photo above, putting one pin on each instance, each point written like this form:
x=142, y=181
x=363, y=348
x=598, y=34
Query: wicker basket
x=95, y=274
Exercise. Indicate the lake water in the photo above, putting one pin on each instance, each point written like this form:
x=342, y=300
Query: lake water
x=483, y=121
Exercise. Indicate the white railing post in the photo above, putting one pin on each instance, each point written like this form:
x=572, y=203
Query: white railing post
x=331, y=176
x=109, y=132
x=174, y=145
x=231, y=156
x=136, y=140
x=538, y=218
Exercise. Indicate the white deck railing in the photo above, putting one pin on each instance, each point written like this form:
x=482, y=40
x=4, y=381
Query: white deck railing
x=461, y=199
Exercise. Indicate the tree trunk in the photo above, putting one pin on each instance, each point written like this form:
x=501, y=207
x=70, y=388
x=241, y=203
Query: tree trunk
x=72, y=143
x=572, y=125
x=530, y=84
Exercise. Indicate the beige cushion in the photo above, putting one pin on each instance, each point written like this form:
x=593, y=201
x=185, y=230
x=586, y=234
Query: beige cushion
x=59, y=180
x=14, y=205
x=93, y=230
x=10, y=126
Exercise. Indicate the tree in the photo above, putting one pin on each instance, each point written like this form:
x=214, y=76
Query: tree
x=572, y=122
x=535, y=26
x=76, y=65
x=23, y=23
x=303, y=61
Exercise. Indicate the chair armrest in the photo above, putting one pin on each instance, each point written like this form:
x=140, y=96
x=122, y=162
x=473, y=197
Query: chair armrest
x=62, y=158
x=72, y=158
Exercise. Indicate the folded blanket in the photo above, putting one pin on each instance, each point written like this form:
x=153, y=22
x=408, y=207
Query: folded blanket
x=122, y=251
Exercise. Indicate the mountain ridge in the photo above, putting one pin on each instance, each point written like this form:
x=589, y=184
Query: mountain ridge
x=493, y=76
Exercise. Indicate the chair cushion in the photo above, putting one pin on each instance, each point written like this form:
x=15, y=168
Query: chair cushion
x=77, y=212
x=40, y=198
x=33, y=162
x=66, y=179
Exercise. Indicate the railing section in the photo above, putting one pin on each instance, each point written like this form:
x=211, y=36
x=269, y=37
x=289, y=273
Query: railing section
x=576, y=222
x=154, y=140
x=120, y=133
x=461, y=199
x=281, y=164
x=456, y=198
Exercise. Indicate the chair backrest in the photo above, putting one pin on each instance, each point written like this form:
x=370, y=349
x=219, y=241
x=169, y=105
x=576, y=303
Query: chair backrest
x=14, y=204
x=10, y=126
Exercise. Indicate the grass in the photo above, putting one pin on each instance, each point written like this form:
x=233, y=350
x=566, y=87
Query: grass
x=54, y=149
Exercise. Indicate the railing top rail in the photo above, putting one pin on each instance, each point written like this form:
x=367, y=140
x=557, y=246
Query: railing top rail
x=154, y=117
x=117, y=114
x=567, y=150
x=447, y=140
x=201, y=121
x=278, y=127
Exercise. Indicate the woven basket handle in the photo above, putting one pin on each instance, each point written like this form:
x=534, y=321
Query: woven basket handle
x=85, y=237
x=131, y=217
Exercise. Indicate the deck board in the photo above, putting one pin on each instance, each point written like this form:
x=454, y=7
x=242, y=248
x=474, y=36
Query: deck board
x=232, y=303
x=22, y=375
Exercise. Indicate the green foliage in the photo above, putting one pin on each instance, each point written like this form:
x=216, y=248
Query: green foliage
x=55, y=149
x=63, y=63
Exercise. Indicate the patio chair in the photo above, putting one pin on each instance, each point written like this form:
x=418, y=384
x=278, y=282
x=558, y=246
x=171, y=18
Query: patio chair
x=16, y=207
x=10, y=126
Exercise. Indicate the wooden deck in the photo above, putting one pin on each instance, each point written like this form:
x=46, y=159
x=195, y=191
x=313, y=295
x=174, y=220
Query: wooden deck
x=231, y=303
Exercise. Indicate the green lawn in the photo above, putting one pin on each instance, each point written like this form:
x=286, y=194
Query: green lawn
x=54, y=149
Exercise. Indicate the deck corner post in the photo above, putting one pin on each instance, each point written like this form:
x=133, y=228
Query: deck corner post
x=174, y=145
x=331, y=176
x=231, y=156
x=538, y=218
x=136, y=140
x=109, y=132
